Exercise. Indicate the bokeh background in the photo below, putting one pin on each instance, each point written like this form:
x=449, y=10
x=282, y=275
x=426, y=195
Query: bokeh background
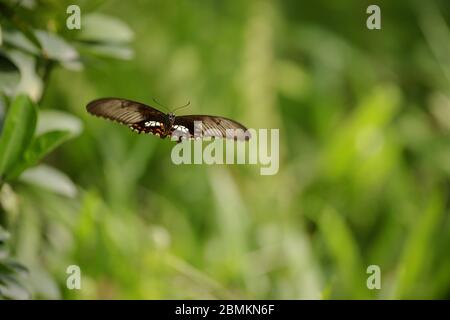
x=364, y=179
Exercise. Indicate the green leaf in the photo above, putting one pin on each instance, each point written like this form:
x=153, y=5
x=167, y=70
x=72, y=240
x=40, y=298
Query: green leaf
x=10, y=266
x=44, y=144
x=344, y=250
x=17, y=133
x=418, y=250
x=39, y=148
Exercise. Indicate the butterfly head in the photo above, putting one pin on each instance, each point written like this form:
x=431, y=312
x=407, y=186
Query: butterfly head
x=171, y=117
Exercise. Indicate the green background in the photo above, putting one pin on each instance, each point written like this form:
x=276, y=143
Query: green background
x=364, y=178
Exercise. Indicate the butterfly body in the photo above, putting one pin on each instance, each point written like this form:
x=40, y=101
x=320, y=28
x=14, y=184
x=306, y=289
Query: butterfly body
x=142, y=118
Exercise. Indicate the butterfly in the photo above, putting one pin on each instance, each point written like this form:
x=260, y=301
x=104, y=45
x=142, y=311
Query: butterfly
x=144, y=118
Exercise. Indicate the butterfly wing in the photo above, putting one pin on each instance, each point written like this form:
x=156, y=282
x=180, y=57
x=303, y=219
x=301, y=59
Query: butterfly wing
x=143, y=118
x=209, y=126
x=138, y=116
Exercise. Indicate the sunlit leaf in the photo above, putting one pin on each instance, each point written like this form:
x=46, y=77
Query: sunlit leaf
x=30, y=83
x=9, y=75
x=9, y=201
x=4, y=235
x=109, y=50
x=11, y=288
x=51, y=120
x=18, y=40
x=55, y=47
x=51, y=179
x=102, y=28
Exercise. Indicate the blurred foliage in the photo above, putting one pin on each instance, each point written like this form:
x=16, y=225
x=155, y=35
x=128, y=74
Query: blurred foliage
x=364, y=119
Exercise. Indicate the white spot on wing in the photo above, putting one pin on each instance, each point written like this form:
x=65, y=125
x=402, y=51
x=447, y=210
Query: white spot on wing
x=152, y=124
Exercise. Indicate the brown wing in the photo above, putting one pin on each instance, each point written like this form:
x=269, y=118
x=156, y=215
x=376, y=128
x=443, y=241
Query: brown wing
x=123, y=110
x=210, y=126
x=138, y=116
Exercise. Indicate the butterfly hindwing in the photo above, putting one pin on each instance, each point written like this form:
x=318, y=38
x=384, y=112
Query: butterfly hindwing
x=150, y=126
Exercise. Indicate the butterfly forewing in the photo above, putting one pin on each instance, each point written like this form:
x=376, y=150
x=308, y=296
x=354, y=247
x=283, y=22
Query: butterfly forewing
x=124, y=111
x=211, y=126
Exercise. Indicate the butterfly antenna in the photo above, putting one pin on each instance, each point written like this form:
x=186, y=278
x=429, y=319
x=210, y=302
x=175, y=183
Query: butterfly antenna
x=182, y=107
x=159, y=104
